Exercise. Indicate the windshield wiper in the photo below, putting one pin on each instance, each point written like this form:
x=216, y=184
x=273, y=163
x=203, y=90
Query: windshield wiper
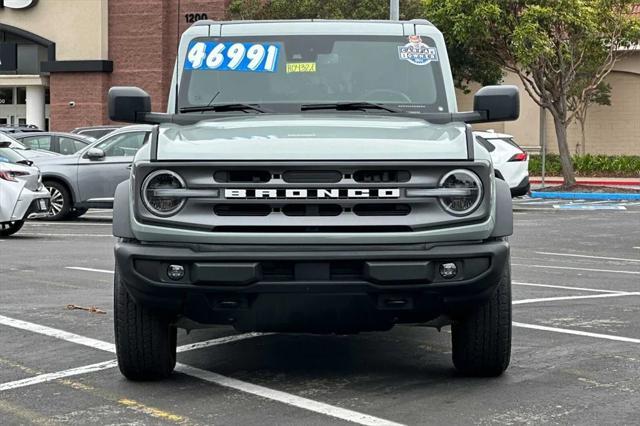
x=350, y=106
x=224, y=108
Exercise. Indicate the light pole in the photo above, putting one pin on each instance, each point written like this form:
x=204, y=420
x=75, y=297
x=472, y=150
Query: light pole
x=394, y=10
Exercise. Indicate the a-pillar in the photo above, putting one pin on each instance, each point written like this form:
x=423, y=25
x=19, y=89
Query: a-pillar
x=35, y=106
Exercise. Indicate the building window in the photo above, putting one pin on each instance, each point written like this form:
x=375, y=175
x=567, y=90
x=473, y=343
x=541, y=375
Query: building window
x=21, y=95
x=6, y=95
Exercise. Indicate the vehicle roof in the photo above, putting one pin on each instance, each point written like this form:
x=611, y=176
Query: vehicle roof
x=206, y=22
x=20, y=130
x=492, y=135
x=125, y=129
x=106, y=126
x=31, y=134
x=312, y=27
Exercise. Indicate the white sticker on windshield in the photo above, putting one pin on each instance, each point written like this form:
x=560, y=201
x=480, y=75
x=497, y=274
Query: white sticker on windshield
x=417, y=52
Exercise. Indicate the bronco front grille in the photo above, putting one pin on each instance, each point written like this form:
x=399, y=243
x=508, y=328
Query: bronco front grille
x=313, y=196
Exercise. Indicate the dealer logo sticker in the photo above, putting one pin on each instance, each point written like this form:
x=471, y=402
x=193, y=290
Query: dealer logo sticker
x=417, y=52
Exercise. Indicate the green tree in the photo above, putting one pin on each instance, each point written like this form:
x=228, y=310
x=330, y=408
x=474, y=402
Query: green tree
x=562, y=50
x=322, y=9
x=465, y=66
x=601, y=96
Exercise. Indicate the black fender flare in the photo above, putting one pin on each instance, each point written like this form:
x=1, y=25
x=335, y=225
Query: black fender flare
x=504, y=210
x=121, y=213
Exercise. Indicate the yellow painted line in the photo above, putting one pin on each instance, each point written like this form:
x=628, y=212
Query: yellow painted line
x=13, y=364
x=152, y=411
x=17, y=411
x=35, y=418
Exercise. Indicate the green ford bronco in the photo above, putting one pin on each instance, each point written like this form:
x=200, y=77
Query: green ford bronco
x=312, y=177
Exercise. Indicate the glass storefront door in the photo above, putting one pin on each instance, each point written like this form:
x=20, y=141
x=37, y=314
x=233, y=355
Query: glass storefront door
x=13, y=108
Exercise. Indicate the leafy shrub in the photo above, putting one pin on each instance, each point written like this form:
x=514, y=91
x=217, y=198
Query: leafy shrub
x=322, y=9
x=589, y=165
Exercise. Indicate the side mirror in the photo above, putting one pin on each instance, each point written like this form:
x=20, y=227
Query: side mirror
x=126, y=103
x=497, y=103
x=95, y=154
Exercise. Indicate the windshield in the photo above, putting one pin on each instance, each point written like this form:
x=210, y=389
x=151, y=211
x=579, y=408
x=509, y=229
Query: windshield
x=285, y=72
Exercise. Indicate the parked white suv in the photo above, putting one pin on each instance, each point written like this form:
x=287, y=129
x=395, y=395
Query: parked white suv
x=511, y=161
x=21, y=191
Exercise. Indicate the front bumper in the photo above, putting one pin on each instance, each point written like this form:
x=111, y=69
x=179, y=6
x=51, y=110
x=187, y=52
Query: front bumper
x=31, y=203
x=310, y=288
x=521, y=188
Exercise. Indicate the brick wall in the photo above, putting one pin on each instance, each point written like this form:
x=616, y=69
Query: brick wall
x=87, y=90
x=143, y=41
x=143, y=37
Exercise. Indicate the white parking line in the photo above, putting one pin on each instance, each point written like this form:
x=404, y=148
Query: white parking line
x=577, y=269
x=535, y=201
x=49, y=377
x=219, y=341
x=58, y=334
x=576, y=332
x=79, y=268
x=553, y=299
x=564, y=287
x=286, y=398
x=272, y=394
x=587, y=256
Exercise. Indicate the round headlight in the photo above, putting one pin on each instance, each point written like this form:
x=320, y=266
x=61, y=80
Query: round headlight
x=155, y=195
x=469, y=194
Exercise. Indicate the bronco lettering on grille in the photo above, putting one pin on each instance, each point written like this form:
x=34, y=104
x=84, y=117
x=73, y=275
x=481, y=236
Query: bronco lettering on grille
x=313, y=193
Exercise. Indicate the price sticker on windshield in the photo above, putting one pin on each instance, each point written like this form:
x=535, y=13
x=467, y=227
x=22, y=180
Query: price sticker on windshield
x=229, y=56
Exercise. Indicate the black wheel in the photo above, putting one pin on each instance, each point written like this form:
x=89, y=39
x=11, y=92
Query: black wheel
x=76, y=213
x=60, y=204
x=145, y=340
x=482, y=340
x=10, y=228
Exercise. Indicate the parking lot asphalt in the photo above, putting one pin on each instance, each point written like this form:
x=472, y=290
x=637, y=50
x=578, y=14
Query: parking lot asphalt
x=575, y=360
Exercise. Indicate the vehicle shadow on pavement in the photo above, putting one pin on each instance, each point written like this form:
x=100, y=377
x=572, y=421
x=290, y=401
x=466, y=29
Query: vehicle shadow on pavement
x=406, y=354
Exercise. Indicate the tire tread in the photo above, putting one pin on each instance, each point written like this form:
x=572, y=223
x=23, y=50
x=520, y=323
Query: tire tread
x=482, y=340
x=145, y=340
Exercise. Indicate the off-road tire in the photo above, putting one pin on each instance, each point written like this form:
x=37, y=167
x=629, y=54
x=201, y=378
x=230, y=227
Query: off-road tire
x=145, y=340
x=10, y=228
x=481, y=340
x=60, y=204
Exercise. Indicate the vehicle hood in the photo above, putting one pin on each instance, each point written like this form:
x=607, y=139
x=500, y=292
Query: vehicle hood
x=313, y=137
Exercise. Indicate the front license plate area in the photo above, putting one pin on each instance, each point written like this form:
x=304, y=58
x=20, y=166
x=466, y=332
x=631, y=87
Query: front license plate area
x=43, y=205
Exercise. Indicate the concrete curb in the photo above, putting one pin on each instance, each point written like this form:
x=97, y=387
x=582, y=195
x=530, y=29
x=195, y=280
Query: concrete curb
x=586, y=195
x=596, y=181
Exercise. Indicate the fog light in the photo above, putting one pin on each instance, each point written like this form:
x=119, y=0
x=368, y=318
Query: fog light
x=175, y=272
x=448, y=270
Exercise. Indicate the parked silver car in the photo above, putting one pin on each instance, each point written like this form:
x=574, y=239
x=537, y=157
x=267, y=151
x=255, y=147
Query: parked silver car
x=21, y=191
x=88, y=178
x=96, y=132
x=56, y=142
x=25, y=151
